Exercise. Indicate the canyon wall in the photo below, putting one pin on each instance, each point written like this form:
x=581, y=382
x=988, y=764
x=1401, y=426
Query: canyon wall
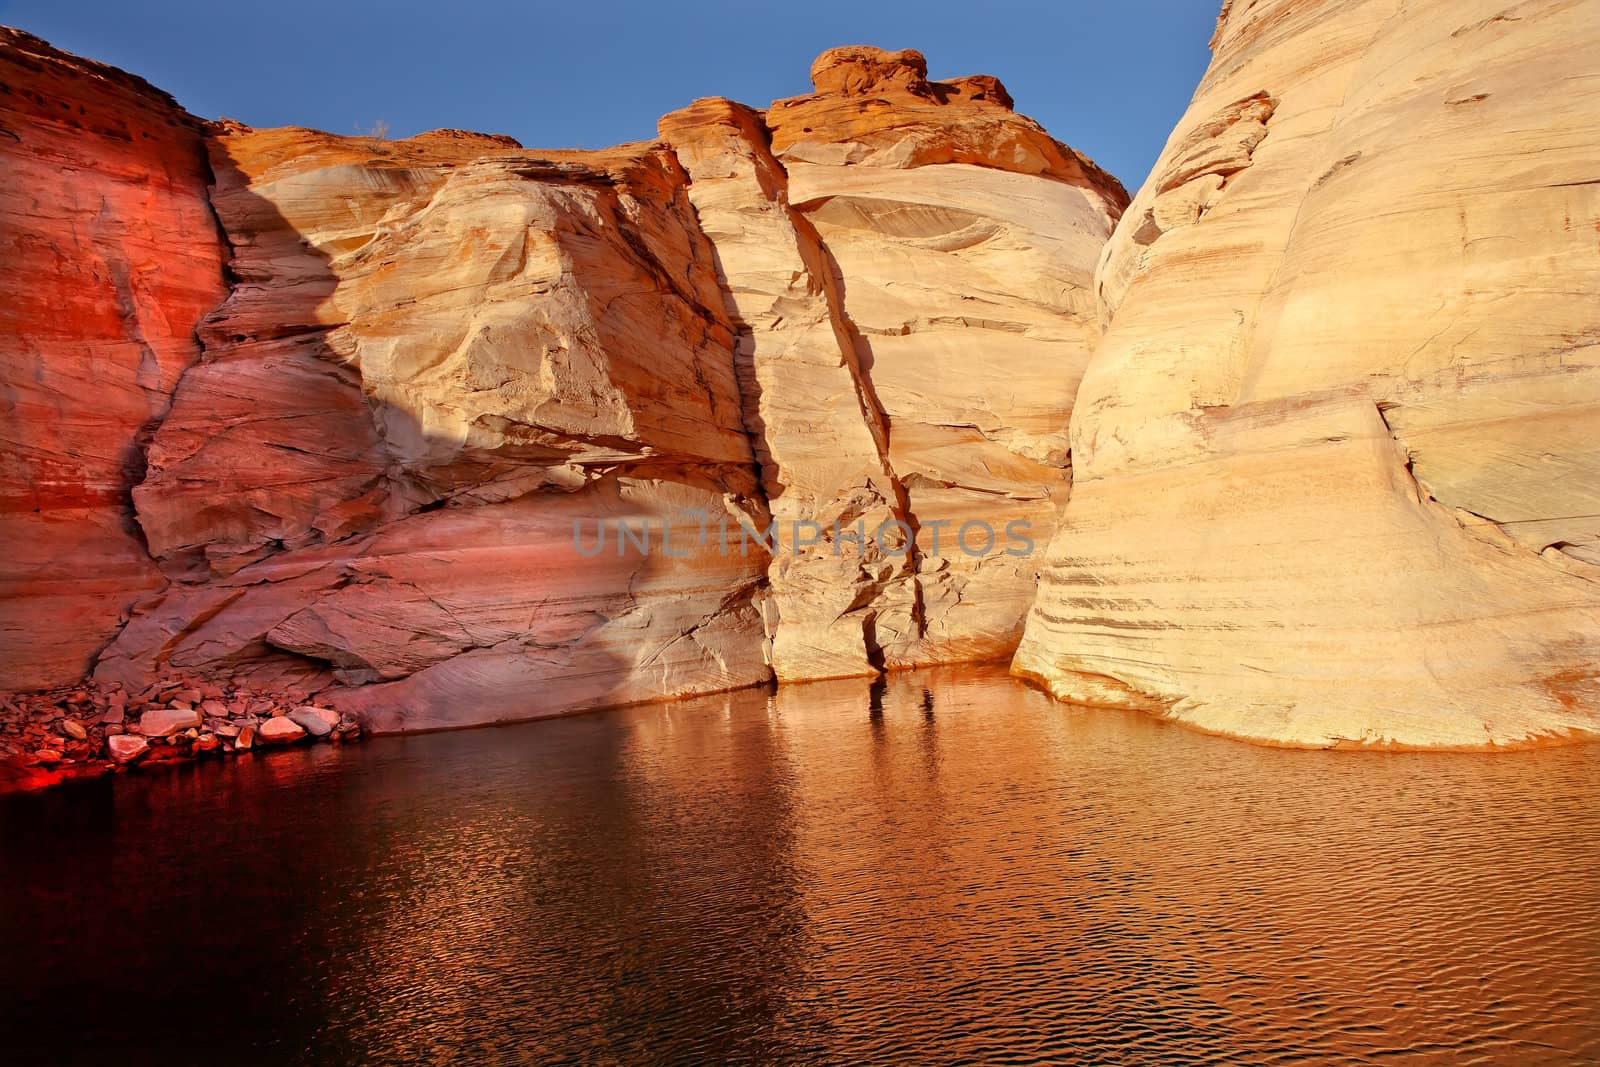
x=110, y=258
x=361, y=419
x=1336, y=468
x=437, y=357
x=910, y=263
x=421, y=379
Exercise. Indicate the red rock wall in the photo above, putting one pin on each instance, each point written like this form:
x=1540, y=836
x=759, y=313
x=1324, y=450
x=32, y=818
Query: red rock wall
x=109, y=257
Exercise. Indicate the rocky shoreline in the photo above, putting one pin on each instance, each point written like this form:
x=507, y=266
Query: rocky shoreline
x=89, y=730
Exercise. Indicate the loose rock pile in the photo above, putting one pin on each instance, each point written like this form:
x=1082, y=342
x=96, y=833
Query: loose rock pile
x=91, y=729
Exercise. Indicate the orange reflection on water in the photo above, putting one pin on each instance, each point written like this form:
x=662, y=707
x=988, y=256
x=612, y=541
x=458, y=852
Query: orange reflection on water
x=943, y=865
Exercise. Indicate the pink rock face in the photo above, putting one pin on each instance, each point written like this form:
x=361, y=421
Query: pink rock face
x=452, y=358
x=1331, y=388
x=111, y=258
x=447, y=361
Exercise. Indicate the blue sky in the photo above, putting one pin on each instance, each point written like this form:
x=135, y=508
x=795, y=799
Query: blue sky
x=1109, y=77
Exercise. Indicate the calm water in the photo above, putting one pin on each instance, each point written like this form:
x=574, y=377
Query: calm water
x=947, y=868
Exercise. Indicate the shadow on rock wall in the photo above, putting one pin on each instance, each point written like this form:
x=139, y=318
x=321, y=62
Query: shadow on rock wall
x=384, y=482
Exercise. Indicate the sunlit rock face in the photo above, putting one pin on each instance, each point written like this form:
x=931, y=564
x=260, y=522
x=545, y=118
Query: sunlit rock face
x=109, y=256
x=909, y=265
x=420, y=385
x=822, y=437
x=1336, y=474
x=447, y=368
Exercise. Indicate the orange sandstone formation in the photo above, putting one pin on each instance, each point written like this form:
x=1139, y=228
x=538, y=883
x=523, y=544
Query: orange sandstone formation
x=439, y=356
x=344, y=418
x=429, y=363
x=908, y=262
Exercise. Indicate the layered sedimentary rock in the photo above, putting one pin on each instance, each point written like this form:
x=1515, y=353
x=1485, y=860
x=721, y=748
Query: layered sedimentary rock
x=1336, y=479
x=821, y=436
x=449, y=369
x=964, y=235
x=908, y=264
x=386, y=436
x=108, y=258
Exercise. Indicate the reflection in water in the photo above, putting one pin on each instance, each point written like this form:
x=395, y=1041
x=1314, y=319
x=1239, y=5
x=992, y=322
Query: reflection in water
x=941, y=865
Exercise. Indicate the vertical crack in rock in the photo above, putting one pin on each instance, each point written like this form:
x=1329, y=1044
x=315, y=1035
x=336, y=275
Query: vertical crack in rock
x=823, y=458
x=961, y=237
x=874, y=590
x=933, y=251
x=417, y=368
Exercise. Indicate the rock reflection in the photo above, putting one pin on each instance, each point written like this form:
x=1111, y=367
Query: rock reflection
x=583, y=899
x=942, y=865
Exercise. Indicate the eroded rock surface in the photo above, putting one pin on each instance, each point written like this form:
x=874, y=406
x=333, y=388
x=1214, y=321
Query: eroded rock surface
x=822, y=439
x=448, y=370
x=1333, y=463
x=446, y=363
x=1335, y=468
x=109, y=257
x=908, y=263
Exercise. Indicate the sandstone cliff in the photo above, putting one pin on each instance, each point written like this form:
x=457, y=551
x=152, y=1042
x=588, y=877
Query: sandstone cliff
x=111, y=256
x=323, y=415
x=418, y=365
x=1336, y=474
x=438, y=356
x=909, y=262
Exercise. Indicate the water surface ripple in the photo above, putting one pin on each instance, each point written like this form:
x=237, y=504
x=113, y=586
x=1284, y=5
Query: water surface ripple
x=946, y=867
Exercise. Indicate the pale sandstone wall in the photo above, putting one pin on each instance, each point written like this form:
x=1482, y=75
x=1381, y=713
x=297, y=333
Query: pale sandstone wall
x=909, y=262
x=1336, y=468
x=821, y=439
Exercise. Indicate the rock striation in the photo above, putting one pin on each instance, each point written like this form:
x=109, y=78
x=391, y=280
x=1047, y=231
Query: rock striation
x=111, y=257
x=421, y=386
x=443, y=361
x=445, y=431
x=1336, y=480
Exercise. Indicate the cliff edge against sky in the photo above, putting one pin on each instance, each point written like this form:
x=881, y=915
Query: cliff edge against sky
x=320, y=415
